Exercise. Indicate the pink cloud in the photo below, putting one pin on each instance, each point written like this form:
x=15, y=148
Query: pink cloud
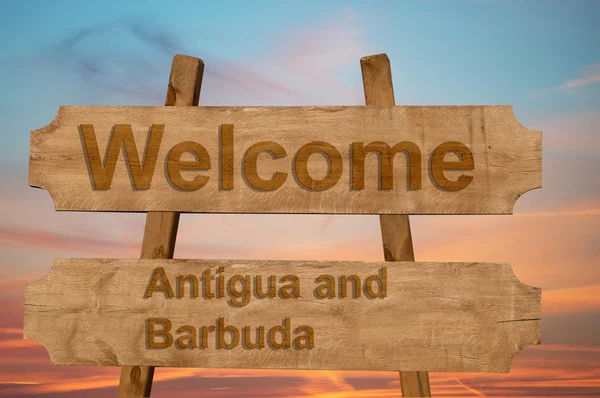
x=578, y=131
x=40, y=238
x=577, y=299
x=552, y=249
x=542, y=371
x=314, y=56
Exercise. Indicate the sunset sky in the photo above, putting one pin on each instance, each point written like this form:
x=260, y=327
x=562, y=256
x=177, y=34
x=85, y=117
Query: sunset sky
x=542, y=57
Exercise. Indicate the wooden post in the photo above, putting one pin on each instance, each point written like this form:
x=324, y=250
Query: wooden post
x=395, y=229
x=160, y=232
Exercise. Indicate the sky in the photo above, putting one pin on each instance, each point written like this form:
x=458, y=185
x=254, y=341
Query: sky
x=542, y=57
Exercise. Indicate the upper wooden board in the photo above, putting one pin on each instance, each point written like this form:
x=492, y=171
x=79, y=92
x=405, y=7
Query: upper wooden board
x=319, y=315
x=360, y=160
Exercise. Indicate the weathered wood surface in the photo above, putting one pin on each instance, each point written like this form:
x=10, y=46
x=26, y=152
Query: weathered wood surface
x=435, y=316
x=506, y=156
x=395, y=228
x=185, y=82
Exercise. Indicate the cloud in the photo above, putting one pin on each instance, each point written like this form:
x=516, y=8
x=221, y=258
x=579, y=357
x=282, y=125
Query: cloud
x=300, y=67
x=108, y=70
x=24, y=237
x=571, y=328
x=135, y=67
x=470, y=389
x=553, y=249
x=573, y=132
x=542, y=371
x=591, y=75
x=326, y=223
x=12, y=313
x=316, y=55
x=577, y=299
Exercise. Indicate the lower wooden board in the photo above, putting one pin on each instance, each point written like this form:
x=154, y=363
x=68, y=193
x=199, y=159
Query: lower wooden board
x=472, y=317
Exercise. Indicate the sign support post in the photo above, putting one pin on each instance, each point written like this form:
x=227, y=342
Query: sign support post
x=395, y=229
x=160, y=233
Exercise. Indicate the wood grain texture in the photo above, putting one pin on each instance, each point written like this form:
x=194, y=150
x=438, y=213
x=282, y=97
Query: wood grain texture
x=415, y=384
x=395, y=229
x=507, y=159
x=160, y=233
x=435, y=316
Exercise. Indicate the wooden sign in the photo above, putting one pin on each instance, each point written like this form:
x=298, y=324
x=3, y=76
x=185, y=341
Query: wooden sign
x=452, y=159
x=468, y=317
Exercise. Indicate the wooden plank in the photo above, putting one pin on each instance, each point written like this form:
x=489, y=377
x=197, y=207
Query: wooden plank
x=160, y=233
x=505, y=158
x=395, y=229
x=471, y=317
